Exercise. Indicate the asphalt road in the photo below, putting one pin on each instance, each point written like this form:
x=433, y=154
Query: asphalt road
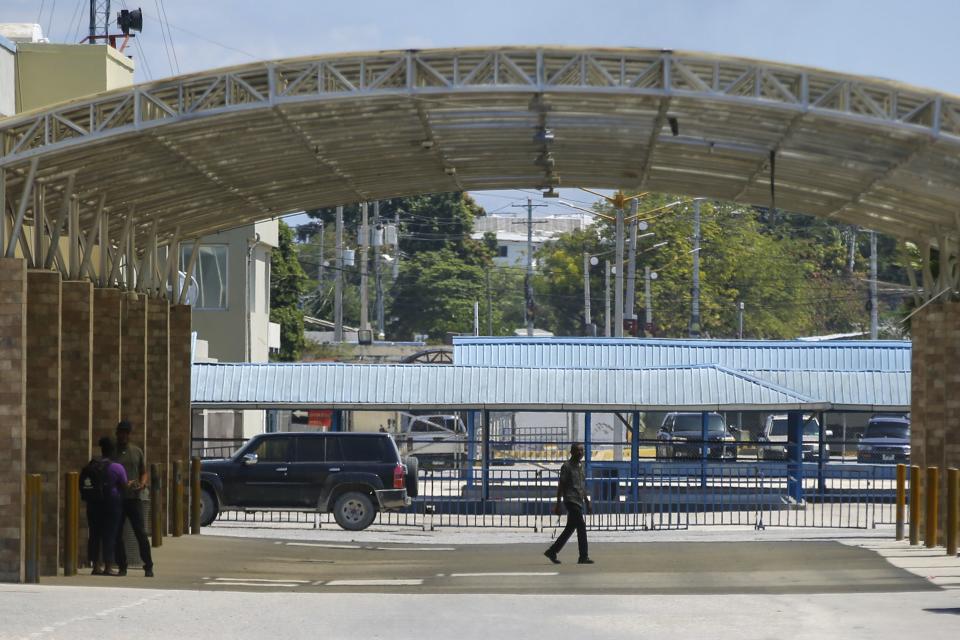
x=212, y=563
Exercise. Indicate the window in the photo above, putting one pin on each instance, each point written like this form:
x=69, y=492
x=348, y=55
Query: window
x=693, y=422
x=210, y=272
x=502, y=251
x=310, y=449
x=353, y=449
x=273, y=450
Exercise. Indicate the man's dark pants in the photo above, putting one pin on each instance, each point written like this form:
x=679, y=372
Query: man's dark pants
x=133, y=512
x=576, y=523
x=95, y=526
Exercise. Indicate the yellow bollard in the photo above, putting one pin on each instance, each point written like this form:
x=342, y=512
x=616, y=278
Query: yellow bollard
x=914, y=505
x=953, y=517
x=177, y=498
x=901, y=497
x=156, y=506
x=31, y=542
x=933, y=504
x=71, y=523
x=195, y=496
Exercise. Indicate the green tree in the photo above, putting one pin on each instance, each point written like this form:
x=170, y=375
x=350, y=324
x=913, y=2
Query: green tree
x=287, y=283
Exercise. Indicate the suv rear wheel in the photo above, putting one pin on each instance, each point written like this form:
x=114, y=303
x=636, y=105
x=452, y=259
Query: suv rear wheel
x=354, y=511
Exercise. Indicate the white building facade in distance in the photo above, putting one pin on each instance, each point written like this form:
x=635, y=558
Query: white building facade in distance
x=511, y=231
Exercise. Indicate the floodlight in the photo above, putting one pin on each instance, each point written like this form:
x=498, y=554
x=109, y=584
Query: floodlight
x=594, y=260
x=642, y=225
x=130, y=21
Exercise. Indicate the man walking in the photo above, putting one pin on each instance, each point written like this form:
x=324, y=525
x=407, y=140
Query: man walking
x=572, y=492
x=131, y=457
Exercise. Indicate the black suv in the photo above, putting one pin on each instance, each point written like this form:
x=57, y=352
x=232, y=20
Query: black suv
x=351, y=474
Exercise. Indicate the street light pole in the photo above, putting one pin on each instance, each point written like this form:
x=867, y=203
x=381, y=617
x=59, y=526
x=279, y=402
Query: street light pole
x=586, y=291
x=618, y=294
x=338, y=281
x=364, y=294
x=631, y=293
x=874, y=311
x=648, y=320
x=695, y=308
x=606, y=296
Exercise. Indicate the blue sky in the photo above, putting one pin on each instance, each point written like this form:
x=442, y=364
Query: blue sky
x=914, y=42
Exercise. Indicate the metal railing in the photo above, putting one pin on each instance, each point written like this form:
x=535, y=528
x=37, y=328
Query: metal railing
x=663, y=495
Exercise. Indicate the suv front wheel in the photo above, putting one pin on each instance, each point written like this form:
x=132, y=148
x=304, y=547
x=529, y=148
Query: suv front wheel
x=354, y=511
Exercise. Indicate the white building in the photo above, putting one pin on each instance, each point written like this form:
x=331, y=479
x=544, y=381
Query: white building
x=511, y=233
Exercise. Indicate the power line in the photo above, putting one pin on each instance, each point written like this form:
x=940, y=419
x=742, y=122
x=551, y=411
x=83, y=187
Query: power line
x=173, y=48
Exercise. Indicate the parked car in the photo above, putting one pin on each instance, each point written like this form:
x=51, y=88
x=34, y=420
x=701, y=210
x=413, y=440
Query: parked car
x=681, y=434
x=438, y=441
x=886, y=440
x=773, y=439
x=353, y=475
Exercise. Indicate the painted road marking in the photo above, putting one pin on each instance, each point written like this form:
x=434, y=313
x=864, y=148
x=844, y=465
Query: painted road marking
x=324, y=545
x=415, y=548
x=504, y=574
x=376, y=583
x=263, y=580
x=250, y=584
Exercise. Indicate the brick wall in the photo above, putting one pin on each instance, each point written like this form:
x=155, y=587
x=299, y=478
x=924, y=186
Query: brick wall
x=133, y=365
x=106, y=361
x=13, y=341
x=180, y=345
x=158, y=401
x=76, y=372
x=43, y=405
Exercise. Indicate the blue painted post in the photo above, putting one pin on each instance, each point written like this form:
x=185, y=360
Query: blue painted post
x=822, y=444
x=486, y=456
x=336, y=420
x=704, y=425
x=471, y=446
x=795, y=455
x=635, y=457
x=587, y=442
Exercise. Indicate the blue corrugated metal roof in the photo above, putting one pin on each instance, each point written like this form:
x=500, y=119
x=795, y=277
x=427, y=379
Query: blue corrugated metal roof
x=850, y=390
x=352, y=386
x=606, y=353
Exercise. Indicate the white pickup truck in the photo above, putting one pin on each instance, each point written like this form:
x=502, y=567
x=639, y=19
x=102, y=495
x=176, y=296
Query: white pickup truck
x=438, y=441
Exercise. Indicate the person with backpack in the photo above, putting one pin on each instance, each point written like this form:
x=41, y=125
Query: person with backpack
x=102, y=483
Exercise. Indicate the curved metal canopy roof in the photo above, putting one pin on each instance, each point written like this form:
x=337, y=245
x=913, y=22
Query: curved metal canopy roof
x=214, y=150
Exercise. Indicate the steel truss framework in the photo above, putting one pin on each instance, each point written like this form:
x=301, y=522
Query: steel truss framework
x=137, y=169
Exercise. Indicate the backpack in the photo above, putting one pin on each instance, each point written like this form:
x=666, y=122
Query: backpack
x=94, y=481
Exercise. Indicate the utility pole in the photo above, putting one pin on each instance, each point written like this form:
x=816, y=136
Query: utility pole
x=606, y=297
x=618, y=295
x=364, y=295
x=586, y=292
x=323, y=228
x=528, y=279
x=740, y=319
x=628, y=310
x=338, y=281
x=874, y=311
x=695, y=309
x=648, y=319
x=377, y=250
x=396, y=262
x=489, y=306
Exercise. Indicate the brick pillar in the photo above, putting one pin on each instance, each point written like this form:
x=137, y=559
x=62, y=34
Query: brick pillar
x=106, y=361
x=133, y=366
x=935, y=404
x=13, y=427
x=76, y=374
x=158, y=392
x=43, y=405
x=180, y=356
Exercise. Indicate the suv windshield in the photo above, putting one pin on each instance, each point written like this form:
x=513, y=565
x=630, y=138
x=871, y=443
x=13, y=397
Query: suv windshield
x=692, y=422
x=896, y=430
x=779, y=428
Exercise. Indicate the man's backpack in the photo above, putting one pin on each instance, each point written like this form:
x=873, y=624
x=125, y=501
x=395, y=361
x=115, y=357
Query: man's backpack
x=94, y=481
